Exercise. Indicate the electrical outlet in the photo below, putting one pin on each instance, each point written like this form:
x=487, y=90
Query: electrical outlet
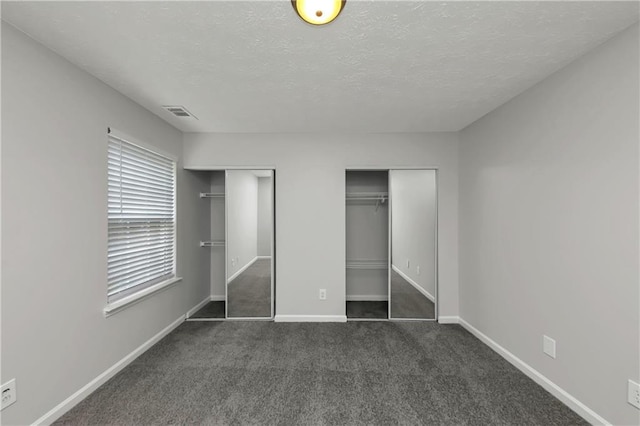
x=633, y=394
x=323, y=294
x=418, y=269
x=9, y=394
x=549, y=346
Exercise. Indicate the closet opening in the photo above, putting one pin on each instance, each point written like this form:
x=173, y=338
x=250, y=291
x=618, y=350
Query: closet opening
x=238, y=244
x=367, y=244
x=391, y=244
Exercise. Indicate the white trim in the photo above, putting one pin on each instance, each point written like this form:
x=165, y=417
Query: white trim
x=449, y=320
x=144, y=145
x=555, y=390
x=94, y=384
x=220, y=298
x=205, y=319
x=196, y=308
x=413, y=283
x=263, y=257
x=225, y=168
x=125, y=302
x=367, y=298
x=388, y=168
x=244, y=268
x=310, y=318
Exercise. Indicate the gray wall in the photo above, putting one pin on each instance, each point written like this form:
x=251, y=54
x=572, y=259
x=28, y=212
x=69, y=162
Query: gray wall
x=55, y=338
x=310, y=203
x=413, y=225
x=265, y=215
x=242, y=219
x=217, y=254
x=549, y=226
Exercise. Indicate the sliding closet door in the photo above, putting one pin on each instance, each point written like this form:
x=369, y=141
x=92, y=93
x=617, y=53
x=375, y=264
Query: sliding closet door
x=413, y=275
x=249, y=243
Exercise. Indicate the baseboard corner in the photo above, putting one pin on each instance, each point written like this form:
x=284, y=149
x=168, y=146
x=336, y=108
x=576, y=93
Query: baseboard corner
x=448, y=319
x=197, y=307
x=565, y=397
x=415, y=285
x=59, y=410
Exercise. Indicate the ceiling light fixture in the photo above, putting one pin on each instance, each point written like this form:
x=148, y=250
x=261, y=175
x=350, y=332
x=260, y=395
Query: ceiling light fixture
x=318, y=12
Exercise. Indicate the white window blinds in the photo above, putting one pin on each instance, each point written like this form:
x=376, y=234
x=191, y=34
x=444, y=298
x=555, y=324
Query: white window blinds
x=142, y=219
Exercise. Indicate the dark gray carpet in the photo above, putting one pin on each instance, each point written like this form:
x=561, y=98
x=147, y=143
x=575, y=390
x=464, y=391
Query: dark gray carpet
x=354, y=373
x=368, y=309
x=249, y=295
x=210, y=310
x=407, y=302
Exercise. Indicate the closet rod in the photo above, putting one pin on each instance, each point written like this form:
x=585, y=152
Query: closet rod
x=211, y=195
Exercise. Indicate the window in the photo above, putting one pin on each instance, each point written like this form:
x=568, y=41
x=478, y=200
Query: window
x=142, y=218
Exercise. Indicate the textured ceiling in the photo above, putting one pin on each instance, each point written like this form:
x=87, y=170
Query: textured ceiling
x=382, y=66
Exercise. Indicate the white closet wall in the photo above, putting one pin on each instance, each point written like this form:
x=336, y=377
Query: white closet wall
x=217, y=206
x=367, y=237
x=265, y=216
x=242, y=219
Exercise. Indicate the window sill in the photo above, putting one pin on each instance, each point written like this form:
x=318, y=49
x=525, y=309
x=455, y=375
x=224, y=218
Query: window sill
x=121, y=304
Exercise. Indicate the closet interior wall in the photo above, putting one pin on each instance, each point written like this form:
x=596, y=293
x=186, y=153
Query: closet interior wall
x=367, y=236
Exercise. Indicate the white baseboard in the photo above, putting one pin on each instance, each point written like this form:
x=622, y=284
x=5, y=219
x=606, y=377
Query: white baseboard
x=263, y=257
x=197, y=307
x=66, y=405
x=413, y=283
x=367, y=298
x=448, y=320
x=241, y=270
x=214, y=298
x=310, y=318
x=555, y=390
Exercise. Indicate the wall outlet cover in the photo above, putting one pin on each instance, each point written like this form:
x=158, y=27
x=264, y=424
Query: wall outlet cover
x=323, y=294
x=633, y=393
x=9, y=394
x=549, y=346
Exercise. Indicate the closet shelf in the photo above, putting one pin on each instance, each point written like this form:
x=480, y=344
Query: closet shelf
x=212, y=195
x=213, y=243
x=367, y=264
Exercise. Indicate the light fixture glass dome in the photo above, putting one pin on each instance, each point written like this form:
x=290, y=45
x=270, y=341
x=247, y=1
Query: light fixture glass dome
x=318, y=12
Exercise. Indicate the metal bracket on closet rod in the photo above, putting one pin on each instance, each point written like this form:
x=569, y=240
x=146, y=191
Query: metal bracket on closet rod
x=214, y=243
x=211, y=195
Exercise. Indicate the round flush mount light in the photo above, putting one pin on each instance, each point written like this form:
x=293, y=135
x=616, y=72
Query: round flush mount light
x=318, y=12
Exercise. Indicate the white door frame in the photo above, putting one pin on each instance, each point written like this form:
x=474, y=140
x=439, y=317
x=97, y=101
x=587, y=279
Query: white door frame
x=226, y=235
x=437, y=250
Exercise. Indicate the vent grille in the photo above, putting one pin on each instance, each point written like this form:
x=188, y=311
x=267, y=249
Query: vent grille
x=179, y=111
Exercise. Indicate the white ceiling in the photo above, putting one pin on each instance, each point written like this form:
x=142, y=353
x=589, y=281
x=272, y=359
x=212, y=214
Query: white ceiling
x=382, y=66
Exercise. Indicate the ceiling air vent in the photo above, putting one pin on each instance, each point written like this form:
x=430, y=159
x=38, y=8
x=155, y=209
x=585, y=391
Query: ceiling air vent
x=179, y=111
